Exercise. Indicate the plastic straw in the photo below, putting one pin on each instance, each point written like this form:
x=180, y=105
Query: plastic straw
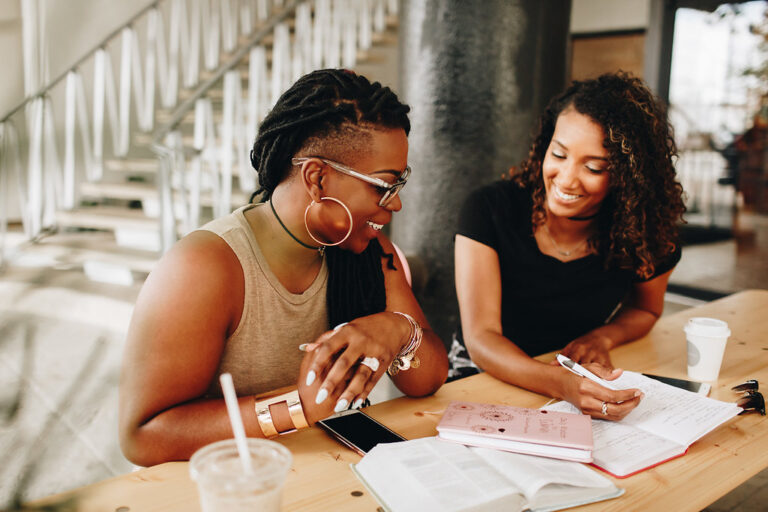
x=230, y=398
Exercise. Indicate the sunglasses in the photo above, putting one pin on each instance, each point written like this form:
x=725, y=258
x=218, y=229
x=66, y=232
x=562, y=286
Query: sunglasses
x=752, y=399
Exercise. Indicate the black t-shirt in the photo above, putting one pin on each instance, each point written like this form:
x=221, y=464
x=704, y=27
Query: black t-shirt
x=545, y=303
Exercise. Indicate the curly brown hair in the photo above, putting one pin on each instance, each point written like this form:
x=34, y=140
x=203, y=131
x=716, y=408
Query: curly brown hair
x=637, y=222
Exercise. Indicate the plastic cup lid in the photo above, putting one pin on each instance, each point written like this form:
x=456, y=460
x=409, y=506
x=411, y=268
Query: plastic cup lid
x=709, y=327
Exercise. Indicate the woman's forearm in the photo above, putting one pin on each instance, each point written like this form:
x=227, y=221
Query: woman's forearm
x=629, y=324
x=501, y=358
x=175, y=433
x=432, y=370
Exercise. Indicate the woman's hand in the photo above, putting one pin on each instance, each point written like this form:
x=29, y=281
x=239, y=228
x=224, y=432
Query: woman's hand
x=589, y=396
x=590, y=348
x=337, y=357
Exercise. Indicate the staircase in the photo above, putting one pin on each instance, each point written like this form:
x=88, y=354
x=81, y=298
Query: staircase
x=164, y=148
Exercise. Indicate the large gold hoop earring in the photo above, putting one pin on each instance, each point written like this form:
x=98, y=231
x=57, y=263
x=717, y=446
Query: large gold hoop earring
x=349, y=214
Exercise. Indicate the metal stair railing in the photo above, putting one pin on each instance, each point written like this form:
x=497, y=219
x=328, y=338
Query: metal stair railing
x=174, y=54
x=327, y=34
x=700, y=166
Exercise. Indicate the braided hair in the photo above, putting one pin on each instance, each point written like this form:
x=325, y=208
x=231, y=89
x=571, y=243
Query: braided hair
x=637, y=223
x=331, y=109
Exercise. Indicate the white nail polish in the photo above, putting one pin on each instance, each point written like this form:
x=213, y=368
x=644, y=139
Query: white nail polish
x=321, y=396
x=303, y=347
x=341, y=405
x=357, y=403
x=311, y=377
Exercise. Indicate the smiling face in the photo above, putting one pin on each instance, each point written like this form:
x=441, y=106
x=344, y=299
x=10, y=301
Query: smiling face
x=385, y=158
x=575, y=167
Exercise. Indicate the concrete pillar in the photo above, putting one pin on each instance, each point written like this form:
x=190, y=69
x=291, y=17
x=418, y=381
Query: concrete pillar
x=658, y=47
x=477, y=74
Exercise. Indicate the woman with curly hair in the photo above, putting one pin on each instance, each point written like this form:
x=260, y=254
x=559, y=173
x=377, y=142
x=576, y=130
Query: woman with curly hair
x=575, y=251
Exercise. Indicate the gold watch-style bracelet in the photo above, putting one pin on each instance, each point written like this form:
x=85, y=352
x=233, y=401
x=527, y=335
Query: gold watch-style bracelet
x=264, y=415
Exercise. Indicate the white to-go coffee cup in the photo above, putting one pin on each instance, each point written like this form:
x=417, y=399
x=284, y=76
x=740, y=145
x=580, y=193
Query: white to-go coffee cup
x=706, y=346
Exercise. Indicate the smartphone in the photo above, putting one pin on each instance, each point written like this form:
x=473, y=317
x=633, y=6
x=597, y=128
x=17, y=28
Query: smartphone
x=701, y=388
x=358, y=431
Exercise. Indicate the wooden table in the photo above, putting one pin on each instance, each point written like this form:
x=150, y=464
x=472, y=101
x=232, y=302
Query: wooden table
x=320, y=478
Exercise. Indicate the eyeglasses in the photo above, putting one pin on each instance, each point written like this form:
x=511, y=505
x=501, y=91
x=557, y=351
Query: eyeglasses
x=752, y=400
x=387, y=190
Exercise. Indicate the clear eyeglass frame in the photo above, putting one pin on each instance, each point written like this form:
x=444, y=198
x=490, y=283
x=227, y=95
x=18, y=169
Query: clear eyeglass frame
x=390, y=189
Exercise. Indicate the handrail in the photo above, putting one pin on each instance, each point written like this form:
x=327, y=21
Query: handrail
x=40, y=92
x=186, y=105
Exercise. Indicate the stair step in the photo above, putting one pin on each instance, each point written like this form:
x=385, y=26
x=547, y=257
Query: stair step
x=147, y=192
x=243, y=68
x=164, y=116
x=132, y=165
x=145, y=139
x=128, y=191
x=216, y=93
x=107, y=218
x=79, y=248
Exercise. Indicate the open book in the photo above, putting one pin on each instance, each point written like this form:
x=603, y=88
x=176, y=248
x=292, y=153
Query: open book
x=430, y=474
x=667, y=421
x=518, y=429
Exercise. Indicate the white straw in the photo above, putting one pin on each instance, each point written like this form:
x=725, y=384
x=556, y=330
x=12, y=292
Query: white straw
x=237, y=422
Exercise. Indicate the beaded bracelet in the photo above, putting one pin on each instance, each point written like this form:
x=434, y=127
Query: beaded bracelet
x=264, y=415
x=406, y=358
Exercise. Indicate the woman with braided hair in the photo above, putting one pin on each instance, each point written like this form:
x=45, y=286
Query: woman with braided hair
x=300, y=297
x=574, y=252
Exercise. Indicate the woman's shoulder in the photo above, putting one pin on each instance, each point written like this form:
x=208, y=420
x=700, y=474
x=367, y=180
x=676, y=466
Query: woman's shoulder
x=502, y=195
x=199, y=281
x=499, y=188
x=202, y=257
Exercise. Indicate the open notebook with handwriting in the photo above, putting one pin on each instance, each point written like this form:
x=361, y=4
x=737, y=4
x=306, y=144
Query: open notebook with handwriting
x=667, y=421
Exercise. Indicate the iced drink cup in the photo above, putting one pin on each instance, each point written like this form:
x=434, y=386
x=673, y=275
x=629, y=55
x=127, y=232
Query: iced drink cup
x=224, y=486
x=706, y=345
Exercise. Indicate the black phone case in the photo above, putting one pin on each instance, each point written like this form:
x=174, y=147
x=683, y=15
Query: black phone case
x=365, y=431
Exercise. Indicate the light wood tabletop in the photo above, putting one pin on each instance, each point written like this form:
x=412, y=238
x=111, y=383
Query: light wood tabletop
x=320, y=478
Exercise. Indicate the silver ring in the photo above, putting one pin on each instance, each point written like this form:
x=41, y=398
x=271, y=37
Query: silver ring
x=372, y=363
x=604, y=409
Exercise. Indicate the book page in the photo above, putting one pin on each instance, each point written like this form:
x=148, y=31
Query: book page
x=673, y=413
x=428, y=474
x=623, y=449
x=531, y=473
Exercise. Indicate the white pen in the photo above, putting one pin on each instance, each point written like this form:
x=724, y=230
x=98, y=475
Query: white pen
x=583, y=372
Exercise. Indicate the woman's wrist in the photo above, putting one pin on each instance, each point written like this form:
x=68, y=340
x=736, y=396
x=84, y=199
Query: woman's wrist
x=280, y=414
x=404, y=329
x=608, y=336
x=406, y=358
x=563, y=380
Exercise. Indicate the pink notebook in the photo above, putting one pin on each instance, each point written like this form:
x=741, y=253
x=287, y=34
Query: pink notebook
x=557, y=435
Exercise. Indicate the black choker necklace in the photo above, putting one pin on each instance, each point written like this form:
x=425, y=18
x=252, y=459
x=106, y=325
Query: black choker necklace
x=589, y=217
x=320, y=249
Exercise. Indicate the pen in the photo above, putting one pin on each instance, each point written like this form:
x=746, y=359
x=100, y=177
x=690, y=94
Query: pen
x=583, y=372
